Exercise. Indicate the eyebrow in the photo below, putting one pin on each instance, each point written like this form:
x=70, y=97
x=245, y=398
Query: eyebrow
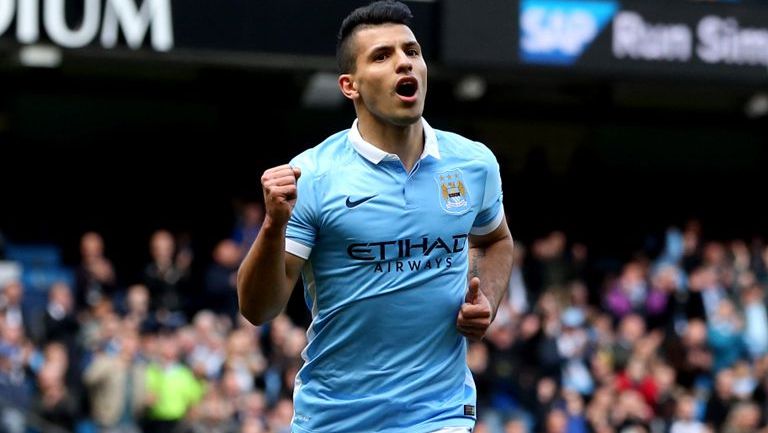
x=381, y=47
x=387, y=46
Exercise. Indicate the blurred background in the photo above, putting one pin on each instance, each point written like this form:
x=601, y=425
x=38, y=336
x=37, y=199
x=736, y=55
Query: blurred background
x=632, y=137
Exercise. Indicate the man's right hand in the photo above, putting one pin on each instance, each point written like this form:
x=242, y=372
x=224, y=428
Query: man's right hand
x=279, y=184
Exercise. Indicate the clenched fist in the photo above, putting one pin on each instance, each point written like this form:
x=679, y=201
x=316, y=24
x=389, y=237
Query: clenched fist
x=279, y=184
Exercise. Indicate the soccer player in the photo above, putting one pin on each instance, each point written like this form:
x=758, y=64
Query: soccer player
x=384, y=222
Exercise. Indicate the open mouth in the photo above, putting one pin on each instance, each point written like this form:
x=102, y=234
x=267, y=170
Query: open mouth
x=407, y=87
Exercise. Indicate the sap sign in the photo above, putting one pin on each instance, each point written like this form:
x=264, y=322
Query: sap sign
x=558, y=31
x=134, y=20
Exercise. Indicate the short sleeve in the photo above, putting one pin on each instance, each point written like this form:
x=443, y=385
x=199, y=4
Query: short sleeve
x=302, y=227
x=491, y=211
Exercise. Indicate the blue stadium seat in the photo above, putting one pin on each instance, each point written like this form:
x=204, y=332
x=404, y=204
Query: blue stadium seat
x=40, y=279
x=34, y=255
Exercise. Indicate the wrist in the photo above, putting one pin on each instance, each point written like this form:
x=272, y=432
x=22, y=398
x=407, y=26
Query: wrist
x=272, y=228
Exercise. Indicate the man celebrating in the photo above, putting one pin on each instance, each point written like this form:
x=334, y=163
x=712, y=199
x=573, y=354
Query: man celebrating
x=383, y=221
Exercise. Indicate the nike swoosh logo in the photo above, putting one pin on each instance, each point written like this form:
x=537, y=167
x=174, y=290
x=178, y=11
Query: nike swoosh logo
x=351, y=204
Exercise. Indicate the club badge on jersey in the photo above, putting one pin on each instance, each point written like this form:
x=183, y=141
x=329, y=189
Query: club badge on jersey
x=454, y=196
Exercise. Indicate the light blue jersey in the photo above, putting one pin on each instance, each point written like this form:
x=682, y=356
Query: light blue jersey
x=385, y=277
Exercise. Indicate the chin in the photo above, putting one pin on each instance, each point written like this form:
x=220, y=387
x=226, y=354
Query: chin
x=406, y=119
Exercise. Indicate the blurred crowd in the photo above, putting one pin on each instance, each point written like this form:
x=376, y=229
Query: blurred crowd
x=101, y=354
x=673, y=340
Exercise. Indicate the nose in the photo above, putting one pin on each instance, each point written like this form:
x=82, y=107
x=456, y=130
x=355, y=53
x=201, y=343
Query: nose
x=404, y=63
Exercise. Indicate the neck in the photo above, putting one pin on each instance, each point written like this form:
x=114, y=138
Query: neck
x=407, y=142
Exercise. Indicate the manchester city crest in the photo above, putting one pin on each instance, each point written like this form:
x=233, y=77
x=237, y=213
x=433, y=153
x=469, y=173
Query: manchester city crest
x=454, y=196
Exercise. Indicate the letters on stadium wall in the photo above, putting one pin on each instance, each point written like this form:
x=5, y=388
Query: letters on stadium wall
x=32, y=21
x=631, y=36
x=294, y=27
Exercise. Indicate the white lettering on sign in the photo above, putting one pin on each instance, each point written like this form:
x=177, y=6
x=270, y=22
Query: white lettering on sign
x=153, y=17
x=27, y=27
x=719, y=40
x=635, y=38
x=722, y=40
x=136, y=22
x=55, y=22
x=6, y=14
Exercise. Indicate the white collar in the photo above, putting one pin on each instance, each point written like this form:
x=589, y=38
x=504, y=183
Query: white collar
x=376, y=155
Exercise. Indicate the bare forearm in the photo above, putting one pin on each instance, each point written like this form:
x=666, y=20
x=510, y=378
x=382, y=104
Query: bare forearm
x=262, y=286
x=492, y=263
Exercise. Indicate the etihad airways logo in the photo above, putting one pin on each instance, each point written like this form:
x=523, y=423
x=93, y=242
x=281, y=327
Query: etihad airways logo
x=412, y=255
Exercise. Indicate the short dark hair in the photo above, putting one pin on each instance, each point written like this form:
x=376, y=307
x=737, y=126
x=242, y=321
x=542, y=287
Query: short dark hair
x=378, y=12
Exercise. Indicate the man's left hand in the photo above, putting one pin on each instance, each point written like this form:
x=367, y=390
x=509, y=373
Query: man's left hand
x=475, y=313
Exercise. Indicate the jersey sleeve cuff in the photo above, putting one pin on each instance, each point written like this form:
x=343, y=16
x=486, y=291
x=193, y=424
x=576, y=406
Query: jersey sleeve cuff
x=491, y=226
x=297, y=249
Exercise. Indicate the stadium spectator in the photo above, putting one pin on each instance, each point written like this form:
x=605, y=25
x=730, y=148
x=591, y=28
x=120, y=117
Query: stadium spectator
x=743, y=418
x=630, y=291
x=171, y=386
x=244, y=359
x=205, y=352
x=15, y=384
x=17, y=313
x=61, y=325
x=53, y=402
x=221, y=279
x=95, y=275
x=689, y=354
x=755, y=320
x=137, y=306
x=721, y=401
x=166, y=274
x=517, y=295
x=115, y=381
x=724, y=336
x=248, y=225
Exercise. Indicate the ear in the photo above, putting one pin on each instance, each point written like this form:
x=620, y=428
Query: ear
x=348, y=86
